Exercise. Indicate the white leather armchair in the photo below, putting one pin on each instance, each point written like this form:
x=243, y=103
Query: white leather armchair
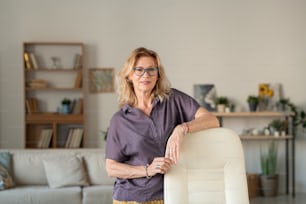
x=211, y=170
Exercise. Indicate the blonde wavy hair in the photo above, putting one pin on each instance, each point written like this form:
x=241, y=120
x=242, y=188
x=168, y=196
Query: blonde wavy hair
x=125, y=88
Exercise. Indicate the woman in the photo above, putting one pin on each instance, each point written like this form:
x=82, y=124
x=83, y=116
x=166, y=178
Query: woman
x=145, y=135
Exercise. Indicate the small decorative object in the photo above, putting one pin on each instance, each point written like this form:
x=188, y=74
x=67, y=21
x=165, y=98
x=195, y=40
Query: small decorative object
x=66, y=106
x=253, y=102
x=255, y=131
x=266, y=131
x=55, y=62
x=269, y=176
x=227, y=109
x=222, y=102
x=101, y=80
x=206, y=95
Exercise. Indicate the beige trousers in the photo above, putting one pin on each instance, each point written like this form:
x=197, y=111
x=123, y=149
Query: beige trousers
x=134, y=202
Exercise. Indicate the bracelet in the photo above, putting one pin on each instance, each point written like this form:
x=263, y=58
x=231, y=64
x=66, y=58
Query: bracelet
x=147, y=174
x=185, y=128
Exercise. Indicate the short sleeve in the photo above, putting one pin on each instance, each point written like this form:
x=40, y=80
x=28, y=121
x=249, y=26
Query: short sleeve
x=186, y=105
x=114, y=144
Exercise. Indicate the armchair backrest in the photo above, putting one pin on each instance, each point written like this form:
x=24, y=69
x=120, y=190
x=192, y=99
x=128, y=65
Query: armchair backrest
x=211, y=169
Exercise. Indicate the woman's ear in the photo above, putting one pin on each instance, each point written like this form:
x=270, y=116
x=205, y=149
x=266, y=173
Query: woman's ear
x=128, y=80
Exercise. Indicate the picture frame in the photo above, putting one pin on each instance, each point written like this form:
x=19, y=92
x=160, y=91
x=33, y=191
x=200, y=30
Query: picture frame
x=101, y=80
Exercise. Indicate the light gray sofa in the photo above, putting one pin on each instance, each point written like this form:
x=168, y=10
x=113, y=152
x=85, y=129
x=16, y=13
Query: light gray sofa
x=32, y=180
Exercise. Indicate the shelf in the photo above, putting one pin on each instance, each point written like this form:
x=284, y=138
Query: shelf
x=288, y=139
x=46, y=118
x=53, y=70
x=53, y=43
x=253, y=114
x=264, y=137
x=54, y=89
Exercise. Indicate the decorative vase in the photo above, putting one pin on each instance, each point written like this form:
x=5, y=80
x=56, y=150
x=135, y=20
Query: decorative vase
x=65, y=108
x=253, y=184
x=253, y=107
x=269, y=185
x=221, y=108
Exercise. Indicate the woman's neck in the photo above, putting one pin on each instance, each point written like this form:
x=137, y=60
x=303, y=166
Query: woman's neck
x=144, y=102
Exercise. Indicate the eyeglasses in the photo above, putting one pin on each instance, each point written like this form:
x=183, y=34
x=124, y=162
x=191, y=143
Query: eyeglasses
x=139, y=71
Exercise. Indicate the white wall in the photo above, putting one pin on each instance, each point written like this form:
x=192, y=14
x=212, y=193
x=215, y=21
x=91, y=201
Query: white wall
x=233, y=44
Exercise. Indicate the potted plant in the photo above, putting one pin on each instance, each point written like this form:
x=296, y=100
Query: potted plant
x=253, y=102
x=278, y=127
x=66, y=105
x=299, y=115
x=222, y=102
x=283, y=104
x=269, y=176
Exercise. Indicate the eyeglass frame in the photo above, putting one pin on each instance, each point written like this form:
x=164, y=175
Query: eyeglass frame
x=146, y=70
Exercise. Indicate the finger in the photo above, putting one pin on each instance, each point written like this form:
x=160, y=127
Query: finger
x=168, y=161
x=172, y=154
x=169, y=152
x=175, y=155
x=157, y=167
x=165, y=168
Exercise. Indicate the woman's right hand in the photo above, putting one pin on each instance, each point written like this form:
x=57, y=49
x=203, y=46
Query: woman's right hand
x=159, y=165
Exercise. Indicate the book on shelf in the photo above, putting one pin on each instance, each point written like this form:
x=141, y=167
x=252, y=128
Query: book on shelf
x=77, y=61
x=77, y=106
x=32, y=105
x=77, y=138
x=33, y=61
x=69, y=137
x=37, y=83
x=27, y=61
x=45, y=138
x=74, y=138
x=78, y=80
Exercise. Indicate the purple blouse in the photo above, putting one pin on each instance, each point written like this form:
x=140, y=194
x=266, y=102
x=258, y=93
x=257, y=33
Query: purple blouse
x=136, y=139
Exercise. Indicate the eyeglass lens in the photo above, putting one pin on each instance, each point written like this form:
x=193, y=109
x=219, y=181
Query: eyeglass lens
x=139, y=71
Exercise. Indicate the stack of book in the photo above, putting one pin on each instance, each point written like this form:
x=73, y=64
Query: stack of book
x=37, y=83
x=30, y=60
x=45, y=138
x=74, y=138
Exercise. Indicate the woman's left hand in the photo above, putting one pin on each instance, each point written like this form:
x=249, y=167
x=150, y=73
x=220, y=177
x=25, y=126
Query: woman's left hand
x=174, y=144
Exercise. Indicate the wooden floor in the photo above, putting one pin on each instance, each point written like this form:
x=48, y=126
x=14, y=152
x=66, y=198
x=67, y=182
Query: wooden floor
x=281, y=199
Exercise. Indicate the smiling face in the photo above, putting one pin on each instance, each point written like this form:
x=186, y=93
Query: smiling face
x=144, y=84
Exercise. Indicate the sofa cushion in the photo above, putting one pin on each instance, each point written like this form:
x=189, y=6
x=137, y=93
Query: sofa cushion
x=27, y=165
x=95, y=164
x=38, y=194
x=6, y=180
x=5, y=161
x=65, y=171
x=97, y=194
